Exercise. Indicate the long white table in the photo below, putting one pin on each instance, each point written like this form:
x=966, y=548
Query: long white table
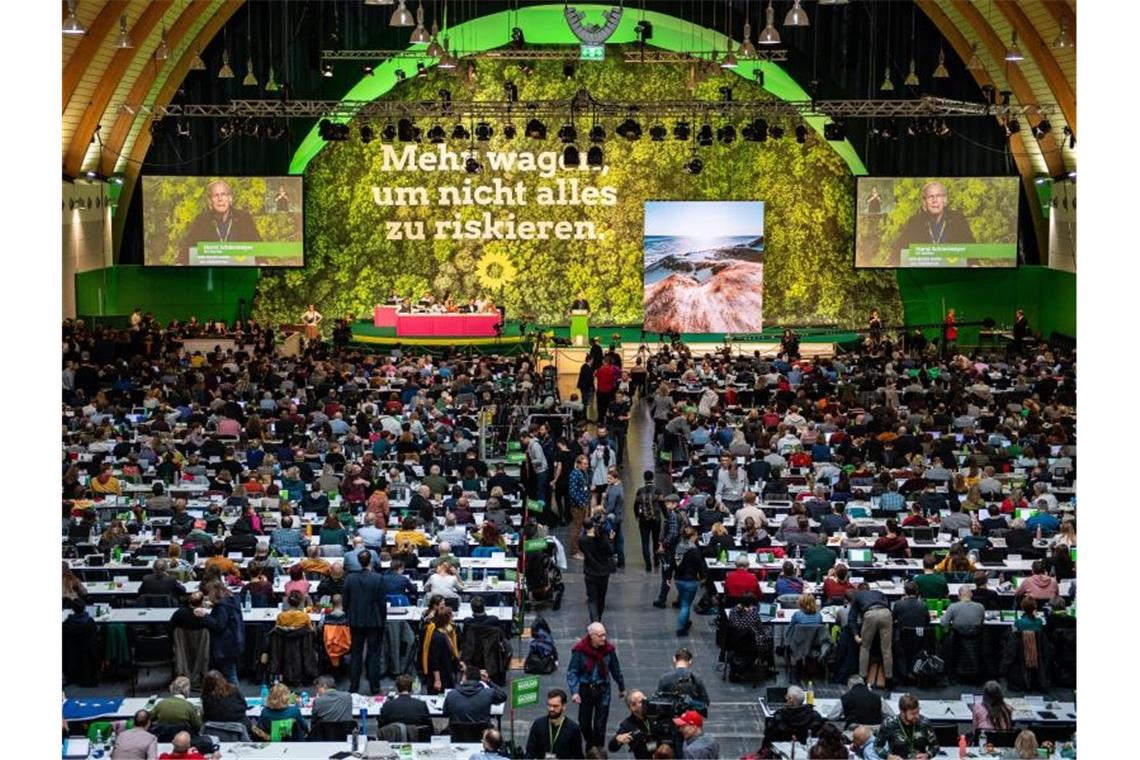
x=160, y=615
x=958, y=710
x=128, y=588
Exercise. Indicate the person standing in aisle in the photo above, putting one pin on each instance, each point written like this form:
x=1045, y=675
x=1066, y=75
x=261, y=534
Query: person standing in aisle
x=593, y=661
x=597, y=548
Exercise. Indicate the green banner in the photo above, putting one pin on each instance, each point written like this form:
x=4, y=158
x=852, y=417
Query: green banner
x=957, y=254
x=524, y=691
x=534, y=545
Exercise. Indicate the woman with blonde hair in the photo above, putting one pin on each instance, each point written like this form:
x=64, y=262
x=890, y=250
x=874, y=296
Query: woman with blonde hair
x=808, y=612
x=278, y=707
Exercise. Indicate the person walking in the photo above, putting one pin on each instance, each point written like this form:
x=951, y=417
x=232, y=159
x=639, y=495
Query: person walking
x=689, y=572
x=673, y=523
x=366, y=607
x=597, y=550
x=579, y=500
x=593, y=662
x=646, y=506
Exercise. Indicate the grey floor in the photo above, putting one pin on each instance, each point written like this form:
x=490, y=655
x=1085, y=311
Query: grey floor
x=643, y=635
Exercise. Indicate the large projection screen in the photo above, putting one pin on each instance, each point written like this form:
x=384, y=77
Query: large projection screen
x=223, y=221
x=936, y=222
x=703, y=266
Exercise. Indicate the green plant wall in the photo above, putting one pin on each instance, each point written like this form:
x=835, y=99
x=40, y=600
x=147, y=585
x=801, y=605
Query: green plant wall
x=351, y=263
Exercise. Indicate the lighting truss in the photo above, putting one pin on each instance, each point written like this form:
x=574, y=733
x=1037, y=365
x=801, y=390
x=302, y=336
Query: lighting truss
x=584, y=102
x=549, y=53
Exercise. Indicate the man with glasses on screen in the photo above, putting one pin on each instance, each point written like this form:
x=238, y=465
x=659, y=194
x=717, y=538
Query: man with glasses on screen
x=935, y=223
x=220, y=222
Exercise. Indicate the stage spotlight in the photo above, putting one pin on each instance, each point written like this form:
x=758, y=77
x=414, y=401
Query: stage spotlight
x=568, y=71
x=366, y=134
x=694, y=165
x=436, y=135
x=1012, y=127
x=629, y=129
x=644, y=31
x=594, y=156
x=472, y=165
x=726, y=134
x=511, y=92
x=509, y=131
x=801, y=134
x=942, y=129
x=518, y=39
x=326, y=70
x=369, y=70
x=570, y=157
x=1043, y=128
x=535, y=130
x=681, y=130
x=567, y=134
x=705, y=136
x=406, y=130
x=835, y=131
x=755, y=131
x=483, y=131
x=597, y=134
x=460, y=133
x=775, y=131
x=388, y=133
x=400, y=75
x=658, y=132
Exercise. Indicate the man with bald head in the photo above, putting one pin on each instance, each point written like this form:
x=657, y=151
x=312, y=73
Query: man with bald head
x=182, y=749
x=934, y=224
x=593, y=662
x=634, y=731
x=219, y=222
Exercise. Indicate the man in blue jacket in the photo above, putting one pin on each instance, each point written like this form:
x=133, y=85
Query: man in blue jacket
x=366, y=607
x=593, y=661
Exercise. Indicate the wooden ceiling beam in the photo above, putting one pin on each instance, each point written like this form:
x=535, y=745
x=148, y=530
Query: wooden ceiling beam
x=1060, y=11
x=120, y=64
x=1050, y=150
x=1041, y=54
x=81, y=57
x=174, y=80
x=117, y=137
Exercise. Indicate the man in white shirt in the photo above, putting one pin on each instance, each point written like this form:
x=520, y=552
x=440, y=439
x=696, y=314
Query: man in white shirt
x=750, y=510
x=731, y=483
x=1041, y=493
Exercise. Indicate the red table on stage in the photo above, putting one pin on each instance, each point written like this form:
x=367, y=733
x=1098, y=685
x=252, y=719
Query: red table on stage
x=436, y=325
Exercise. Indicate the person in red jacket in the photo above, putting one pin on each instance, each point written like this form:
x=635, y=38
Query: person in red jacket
x=182, y=749
x=893, y=544
x=741, y=582
x=606, y=378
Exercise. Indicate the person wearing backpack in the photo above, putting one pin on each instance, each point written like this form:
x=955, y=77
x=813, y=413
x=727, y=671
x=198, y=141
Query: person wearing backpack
x=681, y=683
x=542, y=657
x=646, y=506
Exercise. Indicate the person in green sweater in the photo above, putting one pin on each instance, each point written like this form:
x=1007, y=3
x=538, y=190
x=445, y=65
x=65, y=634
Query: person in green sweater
x=931, y=584
x=818, y=560
x=1029, y=620
x=333, y=533
x=176, y=709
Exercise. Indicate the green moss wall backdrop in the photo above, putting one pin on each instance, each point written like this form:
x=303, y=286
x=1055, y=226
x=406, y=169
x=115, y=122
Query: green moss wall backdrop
x=351, y=262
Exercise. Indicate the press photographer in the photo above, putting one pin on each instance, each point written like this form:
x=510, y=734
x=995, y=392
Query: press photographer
x=636, y=730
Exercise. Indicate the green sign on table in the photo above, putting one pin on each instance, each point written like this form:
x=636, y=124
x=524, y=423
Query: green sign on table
x=536, y=505
x=534, y=545
x=524, y=691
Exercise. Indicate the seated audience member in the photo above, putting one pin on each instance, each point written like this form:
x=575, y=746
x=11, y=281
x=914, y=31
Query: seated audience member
x=741, y=581
x=222, y=701
x=278, y=707
x=137, y=742
x=808, y=612
x=983, y=594
x=892, y=543
x=837, y=584
x=860, y=705
x=788, y=582
x=907, y=733
x=931, y=583
x=405, y=708
x=330, y=704
x=182, y=748
x=1039, y=585
x=159, y=583
x=176, y=710
x=992, y=713
x=793, y=719
x=294, y=615
x=964, y=614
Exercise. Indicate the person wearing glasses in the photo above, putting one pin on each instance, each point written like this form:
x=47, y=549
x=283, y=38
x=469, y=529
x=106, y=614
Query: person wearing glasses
x=220, y=222
x=935, y=223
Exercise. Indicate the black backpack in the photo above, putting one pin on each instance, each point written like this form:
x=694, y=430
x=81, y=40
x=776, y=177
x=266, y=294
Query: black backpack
x=645, y=504
x=542, y=657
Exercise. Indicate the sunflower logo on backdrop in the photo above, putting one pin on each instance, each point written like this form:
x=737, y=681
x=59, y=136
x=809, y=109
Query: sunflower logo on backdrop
x=495, y=270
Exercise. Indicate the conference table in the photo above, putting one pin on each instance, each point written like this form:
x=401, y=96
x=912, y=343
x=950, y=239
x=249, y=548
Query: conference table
x=1025, y=709
x=494, y=562
x=121, y=588
x=268, y=615
x=893, y=588
x=428, y=324
x=881, y=564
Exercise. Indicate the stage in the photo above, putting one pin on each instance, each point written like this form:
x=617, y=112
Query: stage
x=823, y=343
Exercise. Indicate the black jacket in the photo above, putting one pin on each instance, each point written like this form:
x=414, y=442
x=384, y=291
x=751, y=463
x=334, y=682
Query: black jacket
x=598, y=553
x=365, y=600
x=470, y=702
x=405, y=709
x=228, y=709
x=567, y=744
x=161, y=585
x=485, y=646
x=639, y=743
x=293, y=655
x=862, y=706
x=796, y=721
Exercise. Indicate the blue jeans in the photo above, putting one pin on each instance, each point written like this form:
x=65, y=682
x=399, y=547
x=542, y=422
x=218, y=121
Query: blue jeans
x=687, y=592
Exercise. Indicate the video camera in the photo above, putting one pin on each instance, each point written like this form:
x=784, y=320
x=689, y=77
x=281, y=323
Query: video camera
x=659, y=714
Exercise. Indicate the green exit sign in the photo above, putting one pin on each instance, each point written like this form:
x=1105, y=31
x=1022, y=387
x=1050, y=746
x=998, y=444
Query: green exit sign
x=593, y=53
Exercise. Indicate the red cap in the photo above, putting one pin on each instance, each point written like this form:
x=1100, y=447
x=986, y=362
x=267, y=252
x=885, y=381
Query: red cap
x=689, y=718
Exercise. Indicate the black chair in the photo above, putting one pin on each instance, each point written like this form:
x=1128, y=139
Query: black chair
x=1053, y=732
x=150, y=652
x=322, y=731
x=159, y=601
x=467, y=733
x=82, y=654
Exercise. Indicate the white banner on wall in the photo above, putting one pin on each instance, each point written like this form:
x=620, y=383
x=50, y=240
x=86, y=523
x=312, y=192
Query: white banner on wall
x=1063, y=227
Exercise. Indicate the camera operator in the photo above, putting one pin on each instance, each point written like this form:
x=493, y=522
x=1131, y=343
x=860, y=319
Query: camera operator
x=683, y=686
x=635, y=731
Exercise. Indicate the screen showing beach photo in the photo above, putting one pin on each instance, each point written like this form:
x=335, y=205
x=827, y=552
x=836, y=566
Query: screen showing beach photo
x=703, y=270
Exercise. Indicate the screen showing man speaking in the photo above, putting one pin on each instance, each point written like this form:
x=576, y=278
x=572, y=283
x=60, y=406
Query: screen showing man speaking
x=223, y=221
x=911, y=222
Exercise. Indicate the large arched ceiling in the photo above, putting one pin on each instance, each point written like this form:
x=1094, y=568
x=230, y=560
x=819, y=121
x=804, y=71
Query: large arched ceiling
x=102, y=84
